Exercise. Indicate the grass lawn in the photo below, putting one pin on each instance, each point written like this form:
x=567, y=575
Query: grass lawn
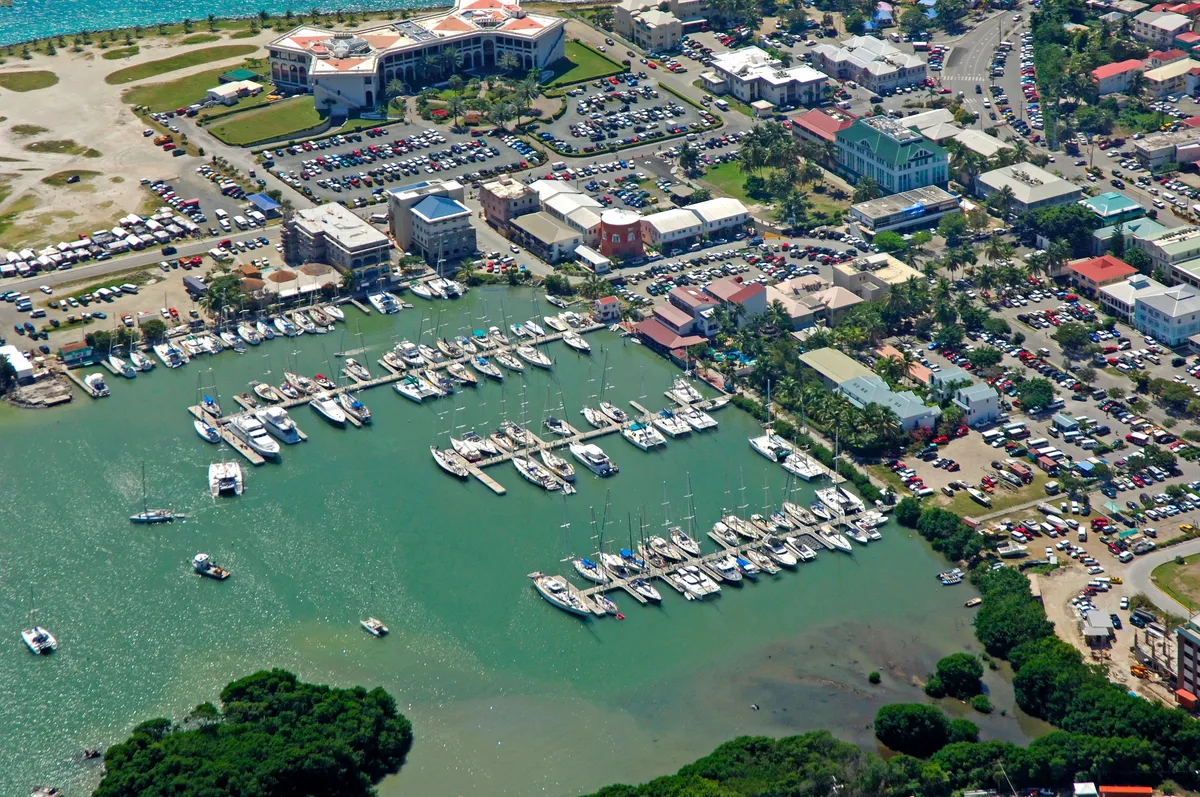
x=177, y=93
x=202, y=38
x=181, y=61
x=727, y=179
x=63, y=146
x=963, y=504
x=244, y=104
x=9, y=218
x=28, y=130
x=27, y=81
x=59, y=179
x=279, y=119
x=248, y=33
x=583, y=63
x=1181, y=582
x=120, y=52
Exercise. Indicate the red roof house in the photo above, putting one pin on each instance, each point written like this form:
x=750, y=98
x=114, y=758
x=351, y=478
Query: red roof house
x=818, y=125
x=1100, y=271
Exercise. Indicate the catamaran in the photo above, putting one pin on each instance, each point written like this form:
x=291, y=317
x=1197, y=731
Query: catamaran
x=374, y=627
x=225, y=478
x=170, y=356
x=385, y=302
x=684, y=391
x=771, y=446
x=415, y=388
x=642, y=436
x=38, y=639
x=668, y=422
x=801, y=464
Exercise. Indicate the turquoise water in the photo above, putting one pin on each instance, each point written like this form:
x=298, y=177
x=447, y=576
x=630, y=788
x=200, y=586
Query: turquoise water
x=36, y=19
x=507, y=695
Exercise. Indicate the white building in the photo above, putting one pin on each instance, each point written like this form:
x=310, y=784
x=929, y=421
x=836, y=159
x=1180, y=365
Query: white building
x=19, y=362
x=230, y=93
x=1120, y=298
x=332, y=234
x=675, y=226
x=921, y=207
x=655, y=31
x=720, y=214
x=628, y=14
x=1113, y=78
x=1171, y=316
x=402, y=199
x=442, y=230
x=874, y=63
x=979, y=402
x=350, y=70
x=1031, y=187
x=1160, y=27
x=751, y=75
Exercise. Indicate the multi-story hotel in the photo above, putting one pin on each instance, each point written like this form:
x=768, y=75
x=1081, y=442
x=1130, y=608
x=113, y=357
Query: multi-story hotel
x=349, y=70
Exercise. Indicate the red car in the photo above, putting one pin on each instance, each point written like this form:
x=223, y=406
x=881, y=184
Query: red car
x=941, y=440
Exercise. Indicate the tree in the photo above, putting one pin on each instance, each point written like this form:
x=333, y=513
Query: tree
x=1074, y=338
x=224, y=292
x=689, y=158
x=888, y=241
x=952, y=227
x=558, y=285
x=274, y=736
x=699, y=195
x=866, y=190
x=957, y=675
x=985, y=357
x=950, y=336
x=912, y=728
x=1159, y=458
x=154, y=330
x=1138, y=259
x=1035, y=394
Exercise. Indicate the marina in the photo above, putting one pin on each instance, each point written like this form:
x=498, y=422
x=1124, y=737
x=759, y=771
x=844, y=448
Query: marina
x=361, y=523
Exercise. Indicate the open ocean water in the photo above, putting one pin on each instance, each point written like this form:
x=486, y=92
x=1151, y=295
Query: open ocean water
x=36, y=19
x=507, y=695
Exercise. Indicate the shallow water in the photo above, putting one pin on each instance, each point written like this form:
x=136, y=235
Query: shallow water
x=507, y=695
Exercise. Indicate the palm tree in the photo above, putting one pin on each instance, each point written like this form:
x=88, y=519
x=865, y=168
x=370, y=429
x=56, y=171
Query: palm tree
x=501, y=113
x=528, y=91
x=508, y=62
x=1005, y=198
x=752, y=158
x=689, y=158
x=1057, y=255
x=811, y=173
x=997, y=249
x=454, y=107
x=866, y=190
x=451, y=60
x=1037, y=263
x=212, y=23
x=394, y=88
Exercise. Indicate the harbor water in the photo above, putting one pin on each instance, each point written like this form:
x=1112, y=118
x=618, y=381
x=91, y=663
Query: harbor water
x=36, y=19
x=507, y=695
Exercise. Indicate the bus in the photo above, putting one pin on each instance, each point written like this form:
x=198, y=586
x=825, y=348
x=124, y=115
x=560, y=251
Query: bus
x=1016, y=431
x=923, y=46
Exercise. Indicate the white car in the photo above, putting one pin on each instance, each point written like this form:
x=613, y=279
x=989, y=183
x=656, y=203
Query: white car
x=45, y=289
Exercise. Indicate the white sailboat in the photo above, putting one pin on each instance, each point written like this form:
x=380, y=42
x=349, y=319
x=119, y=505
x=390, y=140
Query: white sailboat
x=534, y=356
x=642, y=436
x=557, y=591
x=669, y=422
x=121, y=367
x=38, y=639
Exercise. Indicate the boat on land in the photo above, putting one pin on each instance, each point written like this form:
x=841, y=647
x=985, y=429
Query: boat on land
x=510, y=362
x=450, y=462
x=97, y=384
x=205, y=566
x=267, y=392
x=591, y=571
x=668, y=422
x=557, y=591
x=206, y=431
x=617, y=414
x=560, y=427
x=534, y=356
x=459, y=373
x=684, y=391
x=353, y=407
x=121, y=366
x=277, y=421
x=577, y=342
x=642, y=436
x=357, y=370
x=225, y=478
x=374, y=627
x=328, y=409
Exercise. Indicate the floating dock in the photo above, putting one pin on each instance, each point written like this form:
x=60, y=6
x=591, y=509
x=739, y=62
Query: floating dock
x=222, y=427
x=84, y=386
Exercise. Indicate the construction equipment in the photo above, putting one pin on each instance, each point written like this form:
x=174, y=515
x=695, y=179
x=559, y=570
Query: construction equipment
x=1138, y=671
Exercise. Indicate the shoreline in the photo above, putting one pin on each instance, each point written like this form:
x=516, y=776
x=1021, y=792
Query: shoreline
x=148, y=29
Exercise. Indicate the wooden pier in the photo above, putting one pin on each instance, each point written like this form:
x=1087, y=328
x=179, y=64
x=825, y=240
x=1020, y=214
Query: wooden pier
x=84, y=386
x=222, y=427
x=366, y=310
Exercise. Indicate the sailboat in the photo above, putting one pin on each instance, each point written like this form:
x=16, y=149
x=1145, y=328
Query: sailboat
x=148, y=515
x=38, y=639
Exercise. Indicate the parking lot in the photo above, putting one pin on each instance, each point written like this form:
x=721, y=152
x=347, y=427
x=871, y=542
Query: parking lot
x=357, y=168
x=621, y=111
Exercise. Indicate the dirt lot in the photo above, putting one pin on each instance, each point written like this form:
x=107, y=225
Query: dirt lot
x=83, y=109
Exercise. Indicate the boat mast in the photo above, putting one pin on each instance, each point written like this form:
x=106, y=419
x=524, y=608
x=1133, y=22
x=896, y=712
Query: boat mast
x=743, y=505
x=691, y=518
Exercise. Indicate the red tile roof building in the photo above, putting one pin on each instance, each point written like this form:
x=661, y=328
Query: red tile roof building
x=820, y=126
x=1100, y=271
x=1112, y=78
x=661, y=338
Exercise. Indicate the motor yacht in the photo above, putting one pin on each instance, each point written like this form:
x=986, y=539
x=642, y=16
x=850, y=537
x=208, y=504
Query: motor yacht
x=277, y=421
x=267, y=392
x=727, y=568
x=697, y=582
x=225, y=478
x=410, y=354
x=450, y=462
x=121, y=367
x=328, y=409
x=205, y=566
x=748, y=568
x=251, y=431
x=384, y=303
x=534, y=356
x=802, y=551
x=557, y=591
x=555, y=323
x=353, y=407
x=97, y=384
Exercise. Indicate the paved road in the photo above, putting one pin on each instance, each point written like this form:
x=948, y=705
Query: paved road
x=1137, y=577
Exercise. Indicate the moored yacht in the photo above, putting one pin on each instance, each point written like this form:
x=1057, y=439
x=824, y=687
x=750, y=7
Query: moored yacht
x=38, y=639
x=779, y=553
x=555, y=323
x=536, y=329
x=591, y=571
x=577, y=342
x=251, y=431
x=536, y=474
x=384, y=302
x=644, y=588
x=459, y=373
x=801, y=549
x=668, y=422
x=593, y=458
x=771, y=446
x=357, y=370
x=483, y=366
x=410, y=354
x=140, y=361
x=353, y=407
x=557, y=591
x=277, y=421
x=450, y=462
x=97, y=384
x=121, y=367
x=613, y=411
x=727, y=568
x=170, y=356
x=595, y=417
x=328, y=409
x=301, y=383
x=247, y=333
x=534, y=356
x=206, y=431
x=681, y=540
x=699, y=420
x=684, y=391
x=642, y=436
x=334, y=312
x=287, y=328
x=267, y=392
x=802, y=465
x=264, y=330
x=416, y=388
x=509, y=361
x=430, y=354
x=558, y=466
x=560, y=427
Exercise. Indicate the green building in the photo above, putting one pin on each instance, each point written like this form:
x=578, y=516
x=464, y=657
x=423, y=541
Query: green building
x=896, y=157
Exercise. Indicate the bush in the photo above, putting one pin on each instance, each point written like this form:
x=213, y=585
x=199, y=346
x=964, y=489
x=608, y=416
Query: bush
x=874, y=677
x=963, y=731
x=981, y=704
x=958, y=675
x=912, y=728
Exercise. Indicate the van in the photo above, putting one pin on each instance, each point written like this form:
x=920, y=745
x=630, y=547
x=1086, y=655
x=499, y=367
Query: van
x=894, y=37
x=38, y=313
x=992, y=436
x=1154, y=357
x=1081, y=535
x=558, y=166
x=241, y=222
x=379, y=218
x=225, y=225
x=220, y=214
x=724, y=106
x=1052, y=488
x=129, y=287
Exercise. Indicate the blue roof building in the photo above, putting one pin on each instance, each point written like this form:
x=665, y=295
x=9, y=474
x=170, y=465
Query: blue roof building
x=441, y=230
x=265, y=205
x=909, y=408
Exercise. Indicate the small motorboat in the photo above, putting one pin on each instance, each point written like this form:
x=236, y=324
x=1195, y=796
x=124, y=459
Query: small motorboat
x=207, y=432
x=374, y=627
x=357, y=370
x=324, y=382
x=328, y=409
x=205, y=566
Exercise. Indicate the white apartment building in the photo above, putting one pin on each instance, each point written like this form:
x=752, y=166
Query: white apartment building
x=675, y=226
x=1160, y=27
x=332, y=234
x=752, y=74
x=872, y=62
x=402, y=199
x=442, y=230
x=1171, y=317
